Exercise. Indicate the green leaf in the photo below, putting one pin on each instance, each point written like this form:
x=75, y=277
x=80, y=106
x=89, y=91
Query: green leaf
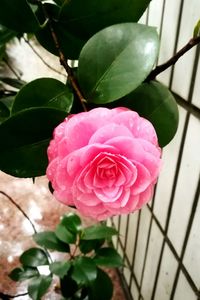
x=70, y=44
x=101, y=288
x=17, y=15
x=44, y=92
x=72, y=222
x=20, y=274
x=6, y=35
x=49, y=240
x=108, y=257
x=8, y=101
x=34, y=257
x=87, y=246
x=156, y=103
x=196, y=32
x=4, y=112
x=25, y=137
x=84, y=270
x=16, y=83
x=60, y=268
x=98, y=232
x=64, y=234
x=86, y=18
x=39, y=286
x=116, y=60
x=68, y=286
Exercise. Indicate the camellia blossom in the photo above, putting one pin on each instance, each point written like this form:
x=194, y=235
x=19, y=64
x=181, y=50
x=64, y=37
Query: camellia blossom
x=105, y=162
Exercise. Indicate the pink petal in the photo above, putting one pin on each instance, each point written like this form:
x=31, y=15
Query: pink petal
x=143, y=179
x=145, y=197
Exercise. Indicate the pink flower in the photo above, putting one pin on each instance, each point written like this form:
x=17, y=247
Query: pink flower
x=105, y=162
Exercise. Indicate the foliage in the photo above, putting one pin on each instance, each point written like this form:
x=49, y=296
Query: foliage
x=80, y=273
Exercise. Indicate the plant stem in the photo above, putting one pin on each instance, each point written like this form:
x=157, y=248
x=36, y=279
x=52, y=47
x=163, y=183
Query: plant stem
x=159, y=69
x=63, y=61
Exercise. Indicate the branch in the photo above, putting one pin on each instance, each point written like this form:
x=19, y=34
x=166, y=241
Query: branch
x=41, y=58
x=7, y=296
x=20, y=209
x=159, y=69
x=63, y=61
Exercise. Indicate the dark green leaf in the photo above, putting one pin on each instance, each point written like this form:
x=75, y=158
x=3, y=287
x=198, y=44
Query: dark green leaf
x=8, y=101
x=85, y=18
x=84, y=270
x=108, y=257
x=72, y=222
x=70, y=44
x=34, y=257
x=17, y=15
x=98, y=232
x=60, y=268
x=101, y=288
x=4, y=112
x=2, y=52
x=6, y=35
x=44, y=92
x=20, y=274
x=64, y=234
x=87, y=246
x=16, y=83
x=116, y=60
x=155, y=102
x=49, y=240
x=68, y=286
x=25, y=137
x=39, y=286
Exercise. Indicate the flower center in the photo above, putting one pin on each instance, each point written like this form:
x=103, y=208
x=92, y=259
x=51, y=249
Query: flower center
x=107, y=168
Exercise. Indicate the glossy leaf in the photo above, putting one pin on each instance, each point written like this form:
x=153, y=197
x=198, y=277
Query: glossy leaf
x=98, y=232
x=64, y=234
x=101, y=288
x=85, y=18
x=39, y=286
x=87, y=246
x=84, y=270
x=6, y=34
x=34, y=257
x=49, y=240
x=108, y=257
x=116, y=60
x=72, y=222
x=20, y=274
x=70, y=44
x=60, y=268
x=156, y=103
x=44, y=92
x=17, y=15
x=4, y=112
x=25, y=137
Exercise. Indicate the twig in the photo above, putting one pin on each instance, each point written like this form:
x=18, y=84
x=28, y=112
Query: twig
x=12, y=69
x=41, y=58
x=63, y=61
x=159, y=69
x=19, y=208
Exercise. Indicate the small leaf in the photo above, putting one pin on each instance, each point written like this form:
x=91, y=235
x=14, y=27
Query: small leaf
x=34, y=257
x=196, y=32
x=25, y=137
x=44, y=92
x=49, y=240
x=72, y=222
x=87, y=246
x=39, y=286
x=64, y=234
x=17, y=15
x=84, y=270
x=101, y=288
x=108, y=257
x=60, y=268
x=20, y=274
x=6, y=35
x=116, y=60
x=98, y=232
x=68, y=286
x=156, y=103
